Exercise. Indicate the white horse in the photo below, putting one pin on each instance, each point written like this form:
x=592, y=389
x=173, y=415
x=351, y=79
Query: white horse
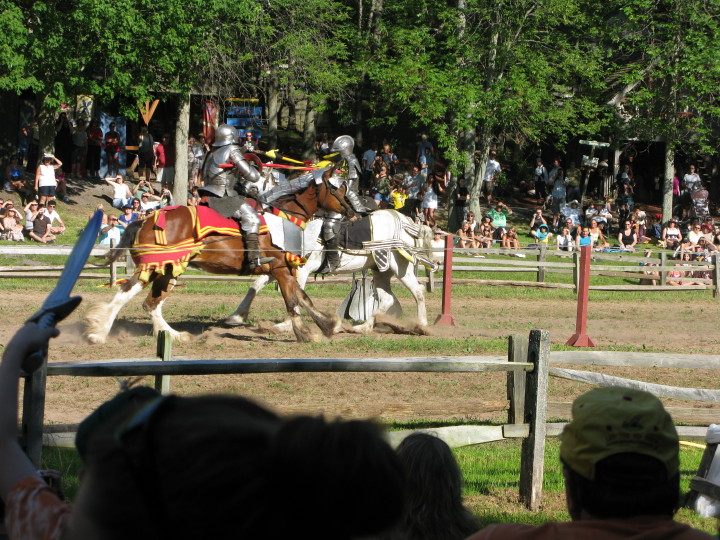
x=397, y=242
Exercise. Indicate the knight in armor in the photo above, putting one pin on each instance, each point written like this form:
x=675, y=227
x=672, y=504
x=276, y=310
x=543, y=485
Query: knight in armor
x=221, y=168
x=343, y=149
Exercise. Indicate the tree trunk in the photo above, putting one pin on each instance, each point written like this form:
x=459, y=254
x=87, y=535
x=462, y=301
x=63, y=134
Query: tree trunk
x=309, y=133
x=668, y=182
x=46, y=123
x=182, y=127
x=273, y=110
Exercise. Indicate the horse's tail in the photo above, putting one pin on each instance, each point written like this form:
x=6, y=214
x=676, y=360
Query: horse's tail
x=126, y=241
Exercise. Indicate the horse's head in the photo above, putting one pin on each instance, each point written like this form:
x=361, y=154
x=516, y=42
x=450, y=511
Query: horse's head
x=333, y=198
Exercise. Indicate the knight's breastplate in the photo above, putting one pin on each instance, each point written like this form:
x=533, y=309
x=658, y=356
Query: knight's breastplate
x=220, y=172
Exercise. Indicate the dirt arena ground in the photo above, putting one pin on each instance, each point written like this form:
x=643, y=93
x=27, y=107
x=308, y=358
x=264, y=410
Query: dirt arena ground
x=678, y=326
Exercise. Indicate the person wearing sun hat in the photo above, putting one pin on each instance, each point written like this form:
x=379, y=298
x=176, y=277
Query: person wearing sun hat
x=620, y=456
x=542, y=234
x=671, y=234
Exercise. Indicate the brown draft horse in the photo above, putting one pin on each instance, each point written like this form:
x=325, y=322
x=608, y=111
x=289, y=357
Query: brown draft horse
x=218, y=255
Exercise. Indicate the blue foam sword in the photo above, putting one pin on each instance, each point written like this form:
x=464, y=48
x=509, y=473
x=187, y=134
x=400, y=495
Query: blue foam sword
x=59, y=304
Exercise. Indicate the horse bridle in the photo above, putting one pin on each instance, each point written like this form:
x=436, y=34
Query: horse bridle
x=330, y=191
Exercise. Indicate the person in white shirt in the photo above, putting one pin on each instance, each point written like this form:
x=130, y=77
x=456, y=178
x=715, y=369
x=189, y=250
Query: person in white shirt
x=573, y=212
x=112, y=232
x=149, y=202
x=491, y=170
x=121, y=191
x=52, y=214
x=45, y=181
x=691, y=180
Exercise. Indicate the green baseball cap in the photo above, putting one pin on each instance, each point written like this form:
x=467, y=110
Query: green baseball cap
x=609, y=421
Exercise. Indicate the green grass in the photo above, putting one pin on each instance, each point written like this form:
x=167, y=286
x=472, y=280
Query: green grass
x=491, y=472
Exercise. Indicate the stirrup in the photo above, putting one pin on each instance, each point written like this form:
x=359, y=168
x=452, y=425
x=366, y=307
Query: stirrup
x=256, y=262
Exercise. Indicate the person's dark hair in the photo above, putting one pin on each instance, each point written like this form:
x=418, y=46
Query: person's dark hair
x=224, y=467
x=627, y=485
x=434, y=509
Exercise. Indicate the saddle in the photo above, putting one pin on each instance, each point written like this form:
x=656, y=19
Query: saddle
x=353, y=234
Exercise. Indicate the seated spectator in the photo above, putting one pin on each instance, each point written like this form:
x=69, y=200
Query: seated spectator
x=30, y=210
x=705, y=248
x=685, y=246
x=474, y=225
x=128, y=216
x=14, y=175
x=51, y=212
x=716, y=235
x=41, y=227
x=597, y=235
x=707, y=232
x=166, y=198
x=680, y=277
x=627, y=237
x=695, y=232
x=12, y=227
x=486, y=236
x=193, y=197
x=573, y=212
x=640, y=220
x=600, y=212
x=434, y=510
x=620, y=457
x=562, y=223
x=466, y=237
x=671, y=234
x=486, y=221
x=61, y=188
x=565, y=240
x=674, y=276
x=112, y=232
x=149, y=202
x=220, y=467
x=655, y=227
x=121, y=191
x=143, y=186
x=537, y=219
x=583, y=238
x=542, y=234
x=510, y=240
x=499, y=215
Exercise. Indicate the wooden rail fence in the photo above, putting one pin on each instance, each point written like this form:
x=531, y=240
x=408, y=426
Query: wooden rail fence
x=651, y=272
x=527, y=365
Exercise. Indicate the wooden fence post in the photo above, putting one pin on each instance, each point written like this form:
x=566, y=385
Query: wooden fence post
x=113, y=267
x=663, y=273
x=532, y=461
x=445, y=318
x=576, y=272
x=716, y=276
x=541, y=258
x=517, y=352
x=33, y=415
x=164, y=353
